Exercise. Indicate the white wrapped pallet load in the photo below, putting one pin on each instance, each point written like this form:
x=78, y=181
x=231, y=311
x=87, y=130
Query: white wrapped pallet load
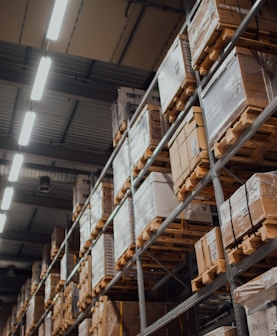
x=84, y=326
x=124, y=230
x=102, y=258
x=223, y=331
x=259, y=299
x=85, y=228
x=121, y=169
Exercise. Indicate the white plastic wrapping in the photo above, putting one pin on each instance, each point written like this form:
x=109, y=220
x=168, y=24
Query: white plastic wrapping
x=223, y=331
x=147, y=131
x=50, y=285
x=102, y=259
x=101, y=203
x=84, y=326
x=121, y=167
x=124, y=230
x=72, y=260
x=175, y=69
x=85, y=227
x=258, y=297
x=48, y=324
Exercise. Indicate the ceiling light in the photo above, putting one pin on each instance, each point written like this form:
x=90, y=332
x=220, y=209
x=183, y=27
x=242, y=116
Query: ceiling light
x=3, y=218
x=41, y=77
x=11, y=271
x=44, y=185
x=26, y=128
x=16, y=166
x=56, y=19
x=7, y=198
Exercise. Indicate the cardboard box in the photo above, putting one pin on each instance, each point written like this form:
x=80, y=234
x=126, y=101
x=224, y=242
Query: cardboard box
x=127, y=102
x=238, y=84
x=124, y=228
x=34, y=311
x=187, y=147
x=36, y=270
x=72, y=261
x=102, y=259
x=81, y=191
x=223, y=331
x=174, y=71
x=213, y=15
x=148, y=130
x=200, y=259
x=50, y=285
x=48, y=324
x=213, y=247
x=101, y=203
x=258, y=297
x=85, y=227
x=248, y=206
x=121, y=168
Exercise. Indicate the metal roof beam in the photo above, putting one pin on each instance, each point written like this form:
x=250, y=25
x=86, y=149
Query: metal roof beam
x=26, y=237
x=42, y=201
x=56, y=152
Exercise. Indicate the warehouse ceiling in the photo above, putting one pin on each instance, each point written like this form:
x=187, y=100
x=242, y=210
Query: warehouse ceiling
x=104, y=44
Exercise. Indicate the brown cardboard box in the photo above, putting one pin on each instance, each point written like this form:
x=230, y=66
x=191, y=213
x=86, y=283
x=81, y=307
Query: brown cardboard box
x=248, y=207
x=200, y=256
x=197, y=147
x=213, y=247
x=212, y=15
x=84, y=326
x=34, y=311
x=239, y=83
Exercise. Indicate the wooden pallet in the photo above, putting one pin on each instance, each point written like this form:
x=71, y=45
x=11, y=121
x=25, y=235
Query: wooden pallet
x=85, y=301
x=222, y=36
x=120, y=132
x=178, y=102
x=54, y=251
x=122, y=191
x=253, y=241
x=234, y=132
x=208, y=275
x=193, y=179
x=102, y=284
x=125, y=257
x=161, y=163
x=59, y=286
x=175, y=237
x=84, y=248
x=77, y=209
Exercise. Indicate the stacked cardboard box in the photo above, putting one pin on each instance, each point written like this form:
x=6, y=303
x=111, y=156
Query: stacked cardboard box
x=121, y=172
x=23, y=299
x=45, y=261
x=258, y=297
x=57, y=237
x=124, y=230
x=213, y=16
x=101, y=204
x=238, y=85
x=41, y=330
x=155, y=198
x=146, y=133
x=85, y=229
x=70, y=305
x=81, y=191
x=50, y=285
x=57, y=315
x=34, y=311
x=223, y=331
x=209, y=253
x=102, y=260
x=36, y=270
x=67, y=265
x=188, y=147
x=248, y=207
x=124, y=108
x=175, y=76
x=85, y=274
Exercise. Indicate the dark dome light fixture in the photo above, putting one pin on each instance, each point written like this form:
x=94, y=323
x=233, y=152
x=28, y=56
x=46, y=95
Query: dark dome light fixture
x=44, y=184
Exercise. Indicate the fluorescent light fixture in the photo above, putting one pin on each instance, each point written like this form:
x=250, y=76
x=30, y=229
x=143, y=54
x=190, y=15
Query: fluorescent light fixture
x=27, y=127
x=7, y=198
x=16, y=166
x=56, y=20
x=3, y=219
x=41, y=77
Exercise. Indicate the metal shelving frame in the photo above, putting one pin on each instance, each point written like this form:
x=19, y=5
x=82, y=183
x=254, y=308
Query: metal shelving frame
x=212, y=176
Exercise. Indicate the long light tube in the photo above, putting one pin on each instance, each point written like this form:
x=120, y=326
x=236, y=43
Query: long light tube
x=15, y=168
x=3, y=219
x=56, y=20
x=41, y=77
x=7, y=198
x=27, y=127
